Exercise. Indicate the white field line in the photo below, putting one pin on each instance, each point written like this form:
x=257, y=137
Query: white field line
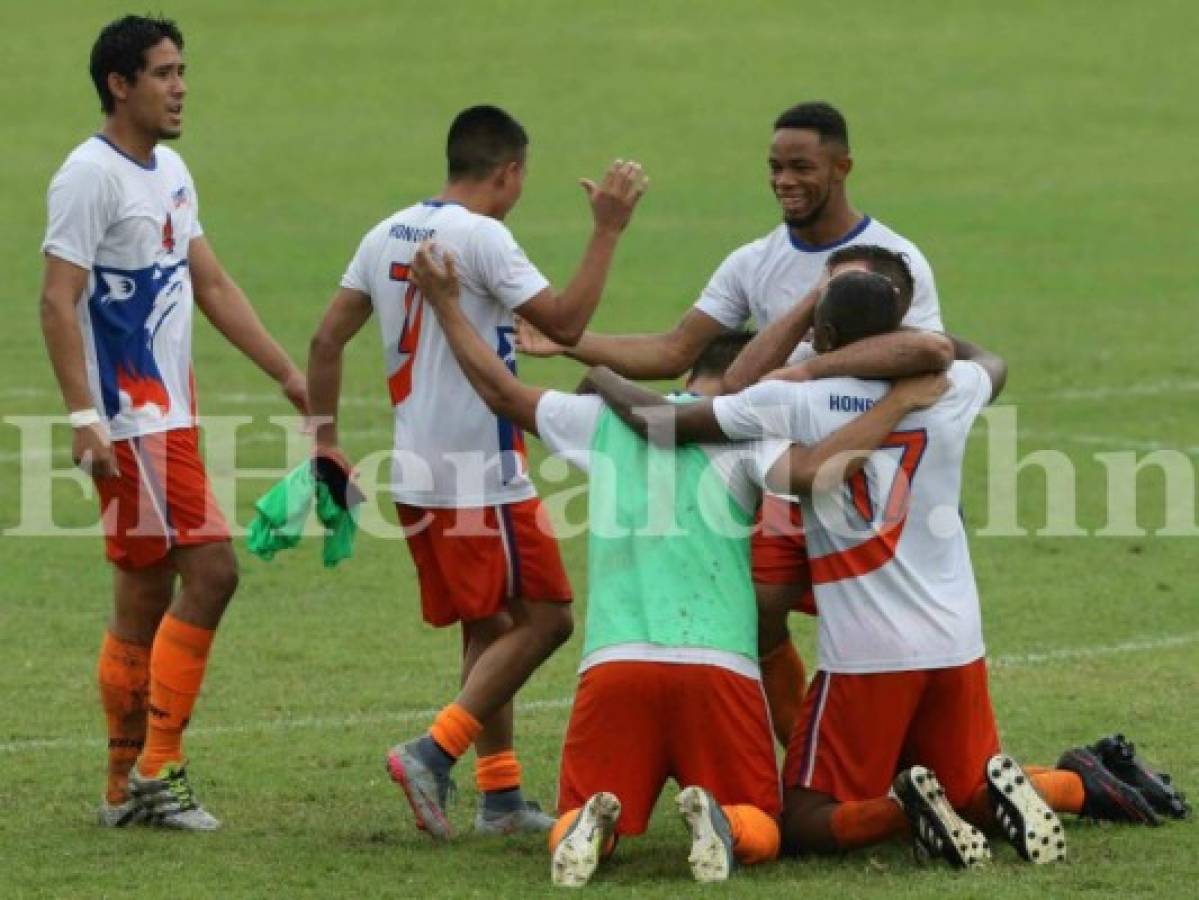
x=399, y=717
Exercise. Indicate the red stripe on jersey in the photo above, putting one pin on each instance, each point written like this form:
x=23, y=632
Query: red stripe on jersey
x=860, y=560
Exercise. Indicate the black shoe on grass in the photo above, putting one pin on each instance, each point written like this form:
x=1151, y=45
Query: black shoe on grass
x=1119, y=757
x=1107, y=798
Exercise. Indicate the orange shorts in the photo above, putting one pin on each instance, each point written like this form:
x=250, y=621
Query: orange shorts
x=856, y=732
x=779, y=550
x=636, y=724
x=471, y=561
x=160, y=500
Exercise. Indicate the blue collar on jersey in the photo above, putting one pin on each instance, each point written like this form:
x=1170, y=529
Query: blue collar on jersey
x=141, y=165
x=437, y=204
x=820, y=248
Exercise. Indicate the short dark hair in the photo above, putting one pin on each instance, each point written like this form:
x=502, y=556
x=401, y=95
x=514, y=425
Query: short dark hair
x=859, y=305
x=716, y=358
x=121, y=47
x=481, y=139
x=883, y=261
x=819, y=116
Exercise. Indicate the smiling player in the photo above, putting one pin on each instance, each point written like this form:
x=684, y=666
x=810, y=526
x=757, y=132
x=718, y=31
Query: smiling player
x=809, y=163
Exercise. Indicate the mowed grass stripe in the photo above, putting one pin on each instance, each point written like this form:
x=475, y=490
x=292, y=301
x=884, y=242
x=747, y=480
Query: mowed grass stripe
x=1006, y=661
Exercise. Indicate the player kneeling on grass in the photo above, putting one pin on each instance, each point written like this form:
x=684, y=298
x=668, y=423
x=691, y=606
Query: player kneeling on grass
x=897, y=728
x=670, y=683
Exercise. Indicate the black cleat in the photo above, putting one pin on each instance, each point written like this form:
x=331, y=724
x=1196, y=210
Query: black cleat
x=1107, y=798
x=1023, y=816
x=936, y=829
x=1119, y=757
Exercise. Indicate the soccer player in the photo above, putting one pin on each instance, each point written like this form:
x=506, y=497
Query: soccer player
x=810, y=163
x=459, y=480
x=669, y=678
x=125, y=259
x=900, y=702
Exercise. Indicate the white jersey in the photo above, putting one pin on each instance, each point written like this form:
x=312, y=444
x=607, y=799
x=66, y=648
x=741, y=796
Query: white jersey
x=130, y=226
x=767, y=277
x=450, y=450
x=890, y=565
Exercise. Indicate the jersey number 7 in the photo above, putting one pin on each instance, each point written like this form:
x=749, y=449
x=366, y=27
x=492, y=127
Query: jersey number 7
x=399, y=383
x=879, y=549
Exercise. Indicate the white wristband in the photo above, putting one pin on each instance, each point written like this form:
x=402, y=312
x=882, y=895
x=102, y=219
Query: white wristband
x=84, y=418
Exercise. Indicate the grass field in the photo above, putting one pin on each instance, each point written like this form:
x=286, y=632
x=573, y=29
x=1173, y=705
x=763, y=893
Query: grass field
x=1040, y=153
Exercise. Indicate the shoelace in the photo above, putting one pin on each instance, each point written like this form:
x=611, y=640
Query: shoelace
x=180, y=788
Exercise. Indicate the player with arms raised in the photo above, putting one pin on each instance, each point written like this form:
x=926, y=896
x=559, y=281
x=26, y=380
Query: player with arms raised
x=125, y=258
x=483, y=550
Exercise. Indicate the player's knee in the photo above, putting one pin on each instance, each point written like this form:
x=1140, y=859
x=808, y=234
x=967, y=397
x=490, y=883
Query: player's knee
x=557, y=624
x=219, y=582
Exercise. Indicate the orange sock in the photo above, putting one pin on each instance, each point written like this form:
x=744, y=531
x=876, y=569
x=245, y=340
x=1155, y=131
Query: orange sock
x=783, y=678
x=1062, y=790
x=455, y=730
x=124, y=676
x=859, y=823
x=177, y=662
x=562, y=826
x=755, y=834
x=1036, y=770
x=497, y=772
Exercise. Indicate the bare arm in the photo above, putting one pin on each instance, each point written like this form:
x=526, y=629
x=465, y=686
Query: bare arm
x=63, y=284
x=348, y=311
x=995, y=365
x=771, y=346
x=641, y=356
x=563, y=316
x=825, y=465
x=227, y=308
x=504, y=394
x=651, y=415
x=894, y=355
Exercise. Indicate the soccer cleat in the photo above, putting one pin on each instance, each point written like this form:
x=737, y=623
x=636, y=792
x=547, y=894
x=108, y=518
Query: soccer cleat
x=427, y=792
x=1118, y=755
x=529, y=819
x=1023, y=816
x=169, y=800
x=1106, y=797
x=580, y=850
x=936, y=829
x=121, y=815
x=711, y=855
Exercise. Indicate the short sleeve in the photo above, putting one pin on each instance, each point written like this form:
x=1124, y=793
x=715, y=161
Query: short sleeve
x=725, y=297
x=971, y=386
x=802, y=353
x=770, y=409
x=198, y=229
x=566, y=425
x=762, y=455
x=357, y=276
x=81, y=206
x=501, y=265
x=925, y=311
